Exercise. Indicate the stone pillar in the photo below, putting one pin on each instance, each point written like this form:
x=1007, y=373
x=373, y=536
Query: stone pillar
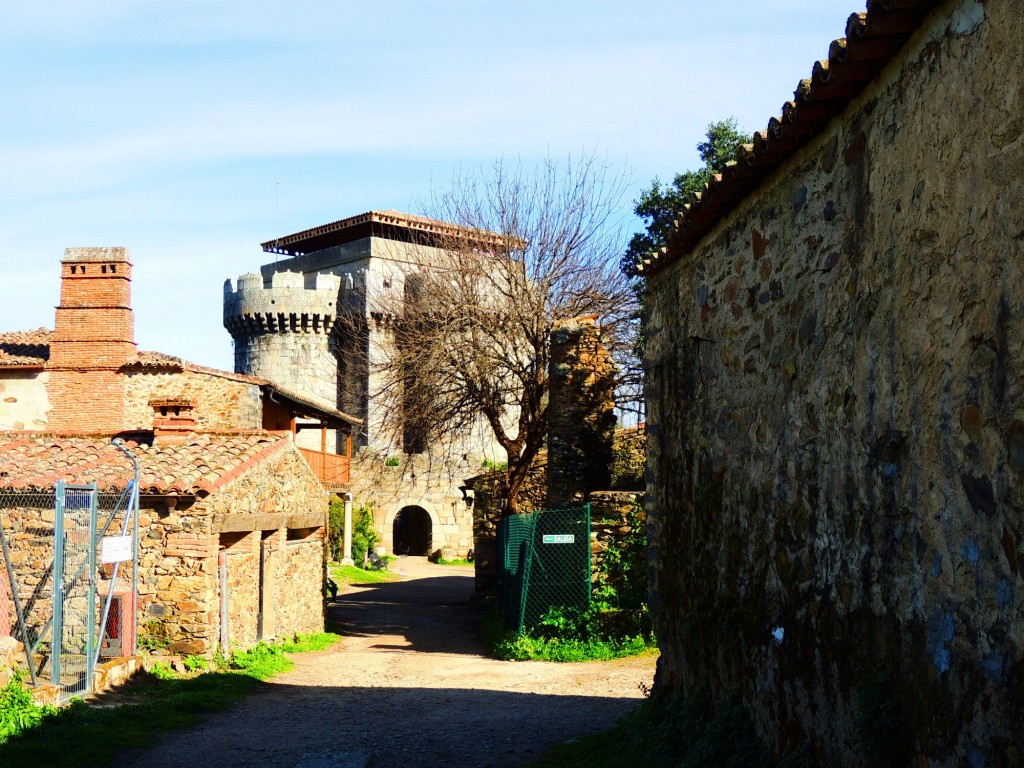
x=581, y=424
x=346, y=558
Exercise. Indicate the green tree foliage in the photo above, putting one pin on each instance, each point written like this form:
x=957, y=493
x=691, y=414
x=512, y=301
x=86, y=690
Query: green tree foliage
x=364, y=536
x=659, y=205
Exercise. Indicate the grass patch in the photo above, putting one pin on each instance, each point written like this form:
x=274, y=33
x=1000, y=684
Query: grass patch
x=456, y=561
x=85, y=736
x=506, y=644
x=528, y=648
x=350, y=574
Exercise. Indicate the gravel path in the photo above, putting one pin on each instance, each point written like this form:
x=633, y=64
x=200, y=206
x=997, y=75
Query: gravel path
x=408, y=686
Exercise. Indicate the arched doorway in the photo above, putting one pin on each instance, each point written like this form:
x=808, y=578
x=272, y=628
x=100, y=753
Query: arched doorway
x=411, y=532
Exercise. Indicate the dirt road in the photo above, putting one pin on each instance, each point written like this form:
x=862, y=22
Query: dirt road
x=408, y=686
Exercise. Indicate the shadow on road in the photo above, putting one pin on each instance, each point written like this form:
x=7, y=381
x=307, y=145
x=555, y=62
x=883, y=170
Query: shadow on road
x=432, y=614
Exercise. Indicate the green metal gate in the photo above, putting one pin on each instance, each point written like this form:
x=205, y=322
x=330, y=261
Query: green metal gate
x=544, y=562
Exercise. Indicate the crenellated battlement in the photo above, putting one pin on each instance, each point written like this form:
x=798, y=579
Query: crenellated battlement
x=287, y=306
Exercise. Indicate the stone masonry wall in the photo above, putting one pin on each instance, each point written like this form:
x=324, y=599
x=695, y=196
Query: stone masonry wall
x=581, y=412
x=836, y=424
x=221, y=403
x=302, y=611
x=178, y=584
x=429, y=481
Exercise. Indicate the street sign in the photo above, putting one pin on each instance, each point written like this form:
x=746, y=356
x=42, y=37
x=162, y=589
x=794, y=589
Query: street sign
x=115, y=549
x=559, y=538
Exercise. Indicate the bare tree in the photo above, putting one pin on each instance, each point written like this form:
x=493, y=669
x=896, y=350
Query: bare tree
x=471, y=332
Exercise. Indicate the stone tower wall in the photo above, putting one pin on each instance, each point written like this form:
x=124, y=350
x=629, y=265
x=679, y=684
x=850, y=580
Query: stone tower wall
x=282, y=333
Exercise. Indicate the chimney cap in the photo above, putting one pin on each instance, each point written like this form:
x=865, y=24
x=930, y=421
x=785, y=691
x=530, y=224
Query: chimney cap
x=115, y=253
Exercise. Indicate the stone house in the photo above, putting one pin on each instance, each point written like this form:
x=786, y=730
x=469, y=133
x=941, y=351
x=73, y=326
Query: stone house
x=283, y=322
x=835, y=474
x=222, y=476
x=246, y=501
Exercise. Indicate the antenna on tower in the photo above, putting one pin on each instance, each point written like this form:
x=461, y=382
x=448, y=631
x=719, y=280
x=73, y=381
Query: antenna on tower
x=277, y=222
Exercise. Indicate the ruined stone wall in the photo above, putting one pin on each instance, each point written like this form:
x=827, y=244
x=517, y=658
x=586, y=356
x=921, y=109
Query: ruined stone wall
x=581, y=412
x=836, y=423
x=221, y=402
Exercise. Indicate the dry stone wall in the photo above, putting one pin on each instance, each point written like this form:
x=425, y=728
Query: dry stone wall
x=836, y=424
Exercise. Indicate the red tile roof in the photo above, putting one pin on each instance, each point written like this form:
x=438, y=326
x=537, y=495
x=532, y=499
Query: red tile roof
x=389, y=224
x=25, y=347
x=198, y=466
x=872, y=39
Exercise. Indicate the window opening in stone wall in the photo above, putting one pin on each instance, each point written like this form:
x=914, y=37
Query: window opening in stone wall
x=412, y=532
x=231, y=540
x=297, y=534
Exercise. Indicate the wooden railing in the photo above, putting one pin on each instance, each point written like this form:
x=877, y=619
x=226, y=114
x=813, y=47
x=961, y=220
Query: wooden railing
x=330, y=468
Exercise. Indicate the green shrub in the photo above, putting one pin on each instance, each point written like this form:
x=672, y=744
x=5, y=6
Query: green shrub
x=162, y=671
x=18, y=711
x=196, y=664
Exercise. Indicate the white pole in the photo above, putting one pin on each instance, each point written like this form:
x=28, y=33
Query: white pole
x=347, y=548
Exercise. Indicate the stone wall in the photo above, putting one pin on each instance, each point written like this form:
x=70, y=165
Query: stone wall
x=303, y=565
x=610, y=513
x=581, y=412
x=487, y=511
x=836, y=423
x=431, y=481
x=222, y=402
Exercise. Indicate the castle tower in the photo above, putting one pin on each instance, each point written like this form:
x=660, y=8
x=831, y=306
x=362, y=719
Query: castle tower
x=93, y=337
x=283, y=333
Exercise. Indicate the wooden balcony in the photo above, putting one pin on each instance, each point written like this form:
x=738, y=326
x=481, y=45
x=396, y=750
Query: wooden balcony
x=331, y=469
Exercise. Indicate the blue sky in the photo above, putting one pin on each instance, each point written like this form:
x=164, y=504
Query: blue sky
x=165, y=126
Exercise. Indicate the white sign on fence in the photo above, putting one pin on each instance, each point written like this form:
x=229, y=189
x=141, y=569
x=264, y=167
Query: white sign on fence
x=559, y=538
x=115, y=549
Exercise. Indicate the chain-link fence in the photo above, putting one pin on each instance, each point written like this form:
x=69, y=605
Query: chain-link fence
x=544, y=563
x=68, y=586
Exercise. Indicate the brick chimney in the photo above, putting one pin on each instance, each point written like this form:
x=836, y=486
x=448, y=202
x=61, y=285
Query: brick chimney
x=173, y=420
x=93, y=338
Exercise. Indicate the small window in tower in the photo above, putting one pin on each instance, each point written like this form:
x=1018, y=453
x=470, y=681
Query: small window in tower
x=74, y=269
x=103, y=269
x=113, y=269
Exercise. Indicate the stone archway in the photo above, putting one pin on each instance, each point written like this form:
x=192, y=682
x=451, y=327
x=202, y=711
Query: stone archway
x=412, y=532
x=412, y=527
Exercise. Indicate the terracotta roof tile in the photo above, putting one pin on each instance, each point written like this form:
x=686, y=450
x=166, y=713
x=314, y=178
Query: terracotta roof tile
x=872, y=39
x=198, y=466
x=25, y=347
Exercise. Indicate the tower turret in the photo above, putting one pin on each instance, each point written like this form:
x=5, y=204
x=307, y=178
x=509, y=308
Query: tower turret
x=282, y=333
